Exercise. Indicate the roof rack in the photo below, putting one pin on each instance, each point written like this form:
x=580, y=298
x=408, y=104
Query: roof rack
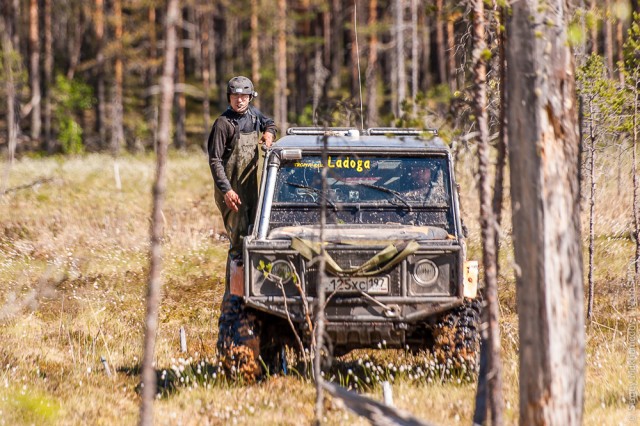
x=322, y=131
x=400, y=131
x=346, y=131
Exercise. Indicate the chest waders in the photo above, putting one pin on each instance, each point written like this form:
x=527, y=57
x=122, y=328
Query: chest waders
x=235, y=325
x=242, y=171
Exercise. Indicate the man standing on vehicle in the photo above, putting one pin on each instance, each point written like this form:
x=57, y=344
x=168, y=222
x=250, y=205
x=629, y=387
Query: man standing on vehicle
x=233, y=158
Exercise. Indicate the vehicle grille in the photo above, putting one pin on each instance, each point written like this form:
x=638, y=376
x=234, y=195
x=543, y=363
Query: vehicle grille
x=348, y=259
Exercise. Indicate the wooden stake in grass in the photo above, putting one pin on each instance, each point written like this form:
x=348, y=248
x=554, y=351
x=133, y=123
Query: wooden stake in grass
x=155, y=283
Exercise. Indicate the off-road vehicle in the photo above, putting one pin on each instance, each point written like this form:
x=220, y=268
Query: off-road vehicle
x=393, y=246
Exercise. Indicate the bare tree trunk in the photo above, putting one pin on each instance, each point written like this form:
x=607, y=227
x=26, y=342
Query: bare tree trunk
x=487, y=217
x=594, y=28
x=503, y=141
x=10, y=92
x=400, y=57
x=155, y=268
x=151, y=102
x=205, y=30
x=280, y=89
x=440, y=45
x=425, y=26
x=34, y=71
x=634, y=171
x=353, y=66
x=117, y=135
x=414, y=50
x=181, y=100
x=337, y=40
x=544, y=152
x=254, y=48
x=75, y=40
x=327, y=48
x=372, y=67
x=451, y=55
x=101, y=102
x=608, y=38
x=620, y=48
x=592, y=205
x=48, y=76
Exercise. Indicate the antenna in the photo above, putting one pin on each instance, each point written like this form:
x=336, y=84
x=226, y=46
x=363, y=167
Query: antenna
x=355, y=30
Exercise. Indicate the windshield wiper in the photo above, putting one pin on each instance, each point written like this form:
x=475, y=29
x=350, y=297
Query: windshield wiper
x=313, y=190
x=396, y=194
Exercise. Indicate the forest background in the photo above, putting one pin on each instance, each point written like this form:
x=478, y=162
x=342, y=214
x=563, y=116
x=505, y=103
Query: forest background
x=82, y=78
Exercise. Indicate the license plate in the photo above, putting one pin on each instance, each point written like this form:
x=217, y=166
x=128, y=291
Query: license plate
x=372, y=285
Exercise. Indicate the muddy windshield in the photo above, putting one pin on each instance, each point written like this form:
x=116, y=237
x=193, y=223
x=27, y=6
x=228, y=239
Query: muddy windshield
x=408, y=182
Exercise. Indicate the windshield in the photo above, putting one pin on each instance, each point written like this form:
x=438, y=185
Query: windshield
x=405, y=182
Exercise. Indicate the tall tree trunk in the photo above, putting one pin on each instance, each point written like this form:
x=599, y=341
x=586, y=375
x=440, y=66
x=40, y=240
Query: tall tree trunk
x=593, y=6
x=117, y=135
x=636, y=183
x=608, y=37
x=451, y=54
x=151, y=102
x=254, y=47
x=544, y=155
x=213, y=49
x=76, y=31
x=440, y=45
x=414, y=50
x=48, y=76
x=372, y=66
x=620, y=48
x=10, y=90
x=592, y=206
x=154, y=285
x=400, y=57
x=302, y=68
x=487, y=216
x=353, y=66
x=101, y=102
x=327, y=48
x=205, y=29
x=425, y=26
x=280, y=89
x=181, y=100
x=34, y=71
x=337, y=42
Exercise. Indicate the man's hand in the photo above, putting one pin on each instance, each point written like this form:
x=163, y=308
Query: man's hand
x=267, y=139
x=232, y=200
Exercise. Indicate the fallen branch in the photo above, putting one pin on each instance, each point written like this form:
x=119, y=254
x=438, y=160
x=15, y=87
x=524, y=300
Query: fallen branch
x=376, y=412
x=28, y=185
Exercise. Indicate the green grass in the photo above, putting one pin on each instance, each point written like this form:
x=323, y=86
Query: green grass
x=73, y=262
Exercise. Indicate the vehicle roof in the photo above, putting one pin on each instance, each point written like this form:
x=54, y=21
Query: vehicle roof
x=359, y=143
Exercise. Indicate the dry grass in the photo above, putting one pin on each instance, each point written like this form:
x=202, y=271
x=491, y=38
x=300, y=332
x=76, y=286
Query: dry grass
x=73, y=256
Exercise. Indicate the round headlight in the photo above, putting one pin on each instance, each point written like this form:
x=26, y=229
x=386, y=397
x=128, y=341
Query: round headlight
x=425, y=272
x=282, y=269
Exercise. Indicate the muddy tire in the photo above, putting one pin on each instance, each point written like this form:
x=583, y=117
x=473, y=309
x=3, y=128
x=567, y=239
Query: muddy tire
x=239, y=341
x=456, y=337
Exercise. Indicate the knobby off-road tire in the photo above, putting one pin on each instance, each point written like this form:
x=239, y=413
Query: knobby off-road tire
x=239, y=340
x=457, y=337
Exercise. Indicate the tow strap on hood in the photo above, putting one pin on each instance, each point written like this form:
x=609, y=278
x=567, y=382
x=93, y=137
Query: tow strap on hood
x=383, y=260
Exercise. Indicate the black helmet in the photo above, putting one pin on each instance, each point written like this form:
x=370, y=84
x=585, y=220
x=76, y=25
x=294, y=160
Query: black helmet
x=240, y=85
